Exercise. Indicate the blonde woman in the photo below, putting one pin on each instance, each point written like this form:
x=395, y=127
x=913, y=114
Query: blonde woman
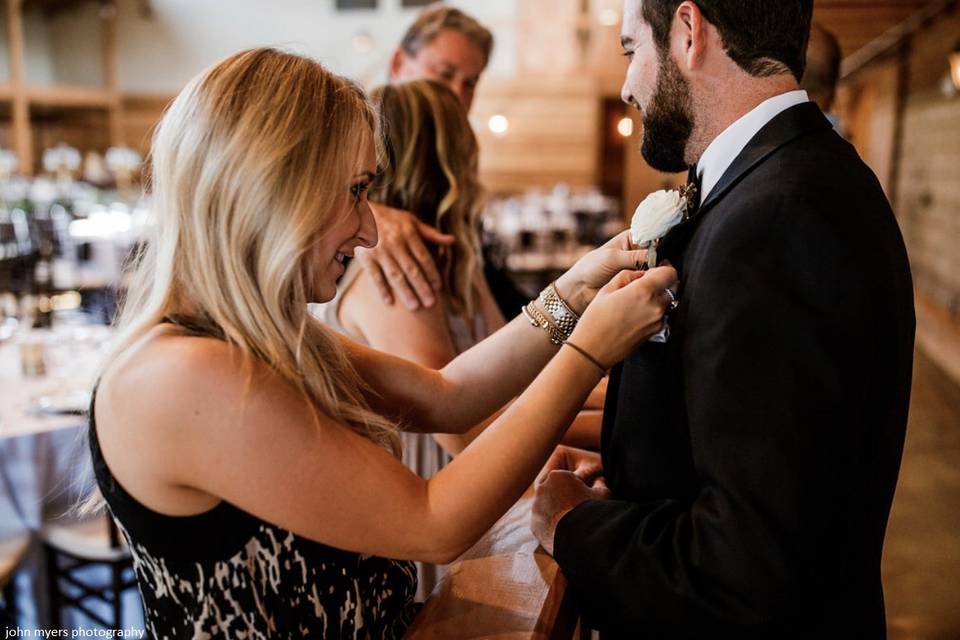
x=248, y=453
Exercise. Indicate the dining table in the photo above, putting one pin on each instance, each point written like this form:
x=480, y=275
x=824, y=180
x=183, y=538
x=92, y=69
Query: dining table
x=46, y=376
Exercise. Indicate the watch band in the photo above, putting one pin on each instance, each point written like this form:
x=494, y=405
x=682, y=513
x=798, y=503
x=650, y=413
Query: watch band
x=565, y=318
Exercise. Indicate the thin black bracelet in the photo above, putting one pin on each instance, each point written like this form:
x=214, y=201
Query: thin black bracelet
x=583, y=352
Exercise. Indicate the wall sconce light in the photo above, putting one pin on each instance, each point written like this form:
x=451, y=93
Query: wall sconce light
x=625, y=126
x=499, y=125
x=608, y=17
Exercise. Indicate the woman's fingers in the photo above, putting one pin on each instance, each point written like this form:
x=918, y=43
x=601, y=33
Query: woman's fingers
x=431, y=234
x=425, y=263
x=417, y=279
x=660, y=278
x=397, y=280
x=621, y=280
x=372, y=268
x=620, y=241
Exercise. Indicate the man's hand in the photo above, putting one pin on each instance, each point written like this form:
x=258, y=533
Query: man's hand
x=557, y=491
x=586, y=465
x=400, y=262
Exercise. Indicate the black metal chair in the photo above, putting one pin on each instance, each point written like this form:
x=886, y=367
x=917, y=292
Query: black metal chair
x=12, y=552
x=72, y=549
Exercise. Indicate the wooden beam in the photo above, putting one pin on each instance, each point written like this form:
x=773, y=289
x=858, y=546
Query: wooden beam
x=111, y=73
x=62, y=96
x=20, y=107
x=893, y=38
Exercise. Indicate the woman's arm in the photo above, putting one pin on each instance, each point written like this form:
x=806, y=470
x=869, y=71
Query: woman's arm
x=481, y=380
x=193, y=422
x=421, y=336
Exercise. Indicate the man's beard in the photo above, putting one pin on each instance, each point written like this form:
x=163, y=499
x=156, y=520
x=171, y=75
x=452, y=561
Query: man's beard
x=668, y=120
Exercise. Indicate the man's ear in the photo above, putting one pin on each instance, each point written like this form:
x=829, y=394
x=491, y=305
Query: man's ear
x=692, y=28
x=397, y=63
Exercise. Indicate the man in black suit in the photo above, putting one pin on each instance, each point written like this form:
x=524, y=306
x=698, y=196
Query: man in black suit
x=751, y=459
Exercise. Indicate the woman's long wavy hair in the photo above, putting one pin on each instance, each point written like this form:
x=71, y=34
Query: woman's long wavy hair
x=251, y=163
x=431, y=170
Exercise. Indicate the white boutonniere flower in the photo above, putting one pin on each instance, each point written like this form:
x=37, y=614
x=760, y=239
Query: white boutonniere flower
x=660, y=212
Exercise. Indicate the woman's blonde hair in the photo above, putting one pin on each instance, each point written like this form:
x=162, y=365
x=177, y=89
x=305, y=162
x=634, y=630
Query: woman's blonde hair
x=251, y=163
x=431, y=170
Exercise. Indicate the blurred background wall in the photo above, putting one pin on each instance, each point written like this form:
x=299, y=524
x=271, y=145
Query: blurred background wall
x=99, y=73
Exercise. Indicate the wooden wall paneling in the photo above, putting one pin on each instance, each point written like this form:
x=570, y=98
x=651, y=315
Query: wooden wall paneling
x=548, y=46
x=83, y=129
x=140, y=114
x=928, y=197
x=869, y=112
x=553, y=135
x=858, y=22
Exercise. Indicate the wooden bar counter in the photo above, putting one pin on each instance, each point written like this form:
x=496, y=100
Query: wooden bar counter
x=506, y=586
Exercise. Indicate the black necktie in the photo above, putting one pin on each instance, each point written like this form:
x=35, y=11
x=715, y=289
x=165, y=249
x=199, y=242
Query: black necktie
x=693, y=191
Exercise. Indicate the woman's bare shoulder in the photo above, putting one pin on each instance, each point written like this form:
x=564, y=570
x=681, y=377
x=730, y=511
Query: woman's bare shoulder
x=165, y=362
x=172, y=407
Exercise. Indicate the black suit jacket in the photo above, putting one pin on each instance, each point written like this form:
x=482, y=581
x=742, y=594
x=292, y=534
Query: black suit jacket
x=753, y=457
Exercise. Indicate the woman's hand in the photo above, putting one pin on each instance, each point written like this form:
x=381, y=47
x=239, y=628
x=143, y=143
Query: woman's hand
x=580, y=283
x=626, y=312
x=401, y=263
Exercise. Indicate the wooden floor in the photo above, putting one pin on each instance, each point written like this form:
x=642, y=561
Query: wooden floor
x=921, y=564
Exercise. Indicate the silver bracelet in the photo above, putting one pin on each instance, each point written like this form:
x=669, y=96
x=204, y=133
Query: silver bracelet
x=565, y=318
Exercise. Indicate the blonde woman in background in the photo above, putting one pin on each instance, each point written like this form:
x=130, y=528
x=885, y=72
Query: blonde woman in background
x=430, y=166
x=248, y=453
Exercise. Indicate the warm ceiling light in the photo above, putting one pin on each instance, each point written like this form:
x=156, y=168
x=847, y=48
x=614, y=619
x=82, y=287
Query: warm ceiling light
x=499, y=125
x=625, y=127
x=955, y=66
x=608, y=17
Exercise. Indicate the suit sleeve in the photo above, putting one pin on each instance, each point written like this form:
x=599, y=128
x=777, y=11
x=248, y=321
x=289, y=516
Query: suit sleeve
x=770, y=302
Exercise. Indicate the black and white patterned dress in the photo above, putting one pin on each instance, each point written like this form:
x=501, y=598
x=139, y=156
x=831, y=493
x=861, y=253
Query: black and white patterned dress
x=227, y=574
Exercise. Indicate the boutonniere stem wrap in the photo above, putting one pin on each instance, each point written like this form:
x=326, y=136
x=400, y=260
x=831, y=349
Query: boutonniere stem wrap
x=660, y=212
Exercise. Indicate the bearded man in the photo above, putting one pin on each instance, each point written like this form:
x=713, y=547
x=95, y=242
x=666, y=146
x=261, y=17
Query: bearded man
x=752, y=456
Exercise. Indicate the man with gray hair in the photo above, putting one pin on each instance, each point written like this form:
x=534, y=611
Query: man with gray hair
x=446, y=45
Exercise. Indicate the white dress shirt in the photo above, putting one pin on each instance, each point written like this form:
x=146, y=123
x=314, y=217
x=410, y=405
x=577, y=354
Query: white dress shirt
x=727, y=146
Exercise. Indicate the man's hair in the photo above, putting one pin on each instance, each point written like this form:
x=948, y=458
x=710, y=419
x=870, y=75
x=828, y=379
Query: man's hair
x=438, y=18
x=764, y=37
x=823, y=63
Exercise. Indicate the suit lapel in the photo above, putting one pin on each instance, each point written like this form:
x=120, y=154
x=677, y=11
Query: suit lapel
x=784, y=128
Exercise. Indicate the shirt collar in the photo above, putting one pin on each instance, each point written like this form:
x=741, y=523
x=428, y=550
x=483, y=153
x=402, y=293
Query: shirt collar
x=724, y=149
